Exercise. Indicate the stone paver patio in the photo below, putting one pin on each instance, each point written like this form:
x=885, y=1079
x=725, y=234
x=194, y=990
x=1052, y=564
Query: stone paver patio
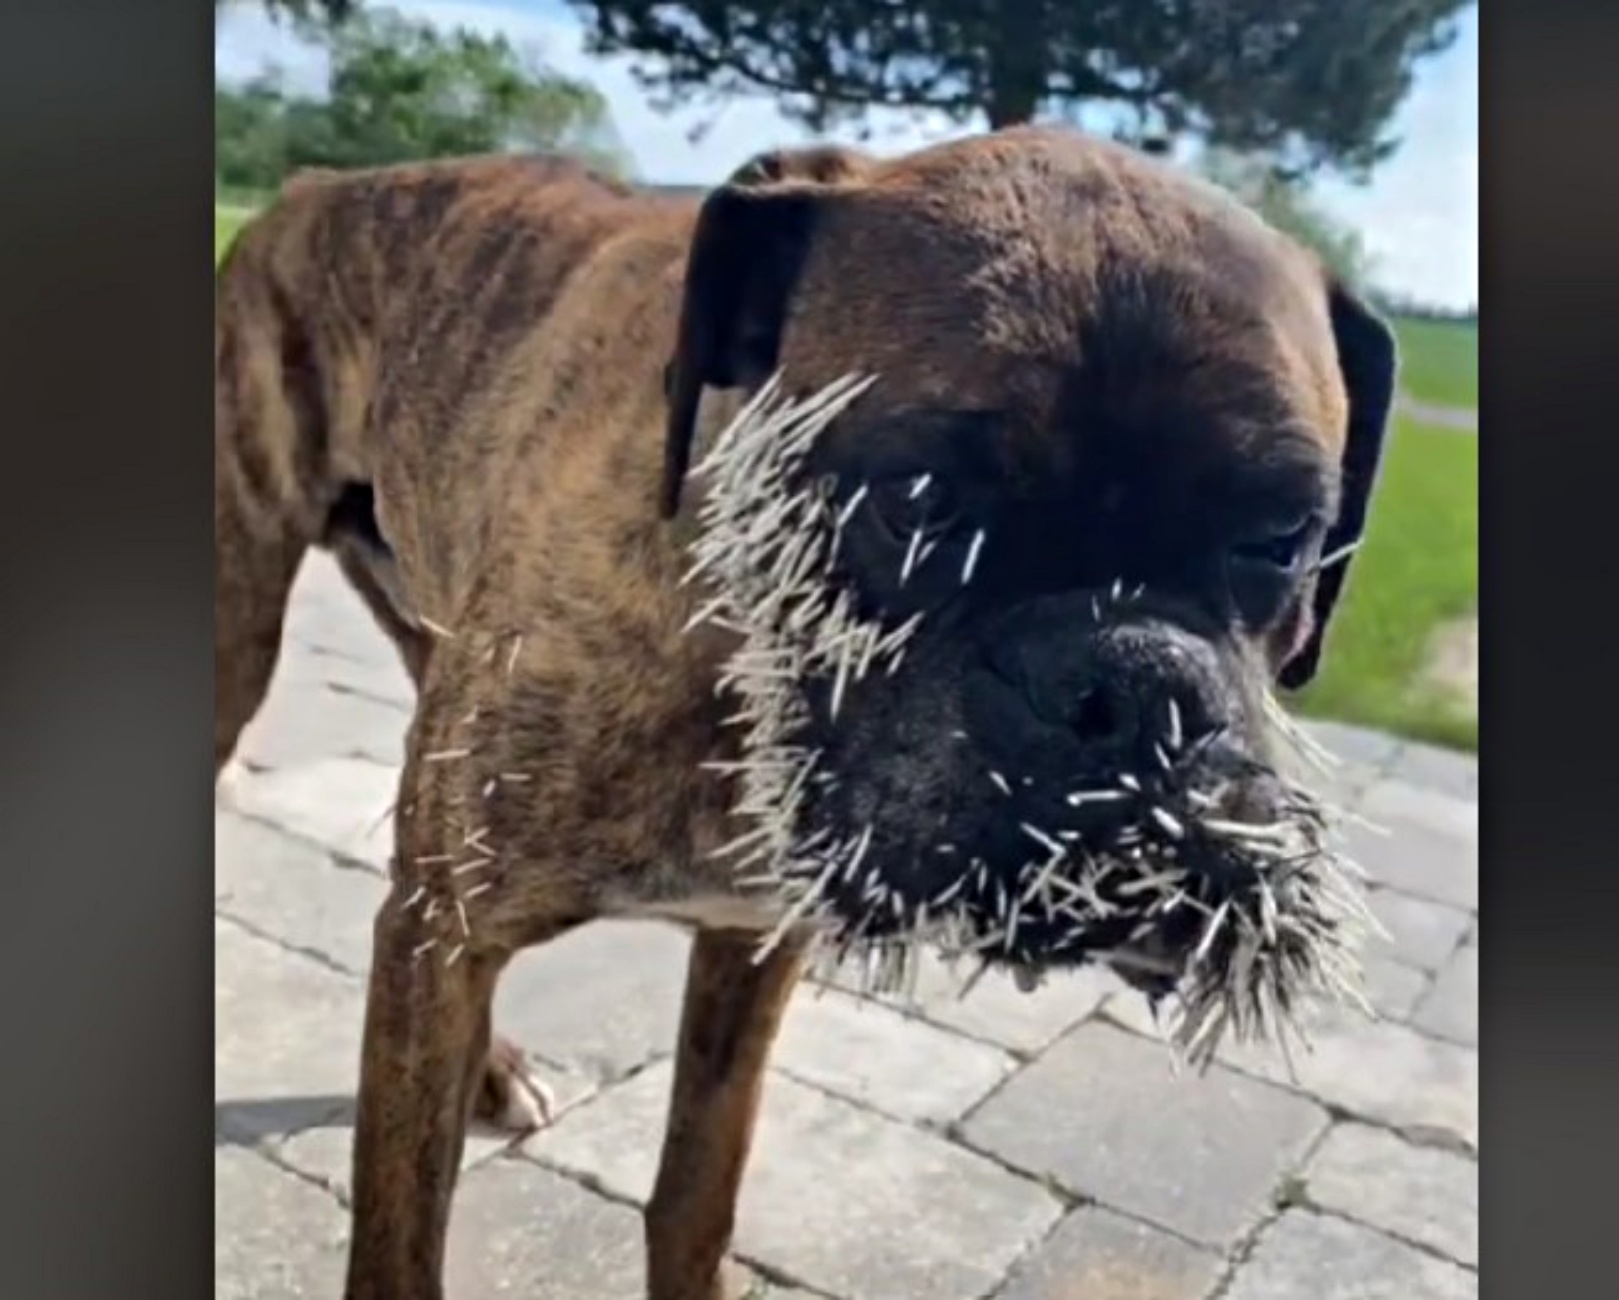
x=1021, y=1147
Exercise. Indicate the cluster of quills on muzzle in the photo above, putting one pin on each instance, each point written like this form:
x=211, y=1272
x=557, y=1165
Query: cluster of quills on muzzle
x=1241, y=949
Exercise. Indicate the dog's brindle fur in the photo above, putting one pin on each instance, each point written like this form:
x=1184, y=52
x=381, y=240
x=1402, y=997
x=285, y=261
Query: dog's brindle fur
x=476, y=382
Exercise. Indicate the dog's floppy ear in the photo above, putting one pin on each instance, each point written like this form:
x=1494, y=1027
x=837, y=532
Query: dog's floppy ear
x=1369, y=362
x=749, y=244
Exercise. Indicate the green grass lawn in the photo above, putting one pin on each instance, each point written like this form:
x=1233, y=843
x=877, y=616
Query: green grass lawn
x=1417, y=571
x=227, y=221
x=1439, y=361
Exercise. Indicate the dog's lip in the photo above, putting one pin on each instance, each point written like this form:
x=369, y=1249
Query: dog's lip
x=1083, y=814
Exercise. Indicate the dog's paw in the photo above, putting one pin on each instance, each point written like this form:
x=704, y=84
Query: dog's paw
x=512, y=1097
x=227, y=785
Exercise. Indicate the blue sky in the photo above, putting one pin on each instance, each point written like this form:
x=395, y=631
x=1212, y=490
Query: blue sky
x=1419, y=215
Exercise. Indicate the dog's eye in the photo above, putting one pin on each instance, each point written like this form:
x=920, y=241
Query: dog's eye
x=914, y=504
x=1282, y=550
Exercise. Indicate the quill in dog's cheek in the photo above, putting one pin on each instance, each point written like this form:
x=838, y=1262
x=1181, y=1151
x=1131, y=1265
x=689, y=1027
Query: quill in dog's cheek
x=884, y=803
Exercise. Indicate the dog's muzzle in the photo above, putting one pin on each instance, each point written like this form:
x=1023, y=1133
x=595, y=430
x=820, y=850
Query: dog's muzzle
x=1108, y=693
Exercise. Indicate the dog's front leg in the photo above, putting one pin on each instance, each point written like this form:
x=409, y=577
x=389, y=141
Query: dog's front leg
x=426, y=1037
x=732, y=1012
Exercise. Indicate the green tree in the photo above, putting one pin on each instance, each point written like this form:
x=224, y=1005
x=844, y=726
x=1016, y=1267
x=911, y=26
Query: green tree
x=250, y=143
x=300, y=11
x=1287, y=203
x=401, y=90
x=1313, y=83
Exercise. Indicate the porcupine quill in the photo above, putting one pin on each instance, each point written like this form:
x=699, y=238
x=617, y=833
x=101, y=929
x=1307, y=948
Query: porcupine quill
x=766, y=545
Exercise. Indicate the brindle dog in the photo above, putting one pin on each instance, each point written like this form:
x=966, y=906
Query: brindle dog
x=481, y=384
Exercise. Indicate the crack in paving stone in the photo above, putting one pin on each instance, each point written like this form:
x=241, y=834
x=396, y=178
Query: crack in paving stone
x=1278, y=1205
x=270, y=1157
x=1328, y=1212
x=337, y=858
x=329, y=964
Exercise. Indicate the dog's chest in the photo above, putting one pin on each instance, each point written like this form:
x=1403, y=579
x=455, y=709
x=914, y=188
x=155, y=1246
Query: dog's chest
x=708, y=911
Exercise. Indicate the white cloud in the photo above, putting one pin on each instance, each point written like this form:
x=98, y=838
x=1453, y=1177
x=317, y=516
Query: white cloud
x=1419, y=217
x=247, y=42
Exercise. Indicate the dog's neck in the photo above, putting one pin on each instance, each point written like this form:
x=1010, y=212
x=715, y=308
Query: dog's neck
x=597, y=740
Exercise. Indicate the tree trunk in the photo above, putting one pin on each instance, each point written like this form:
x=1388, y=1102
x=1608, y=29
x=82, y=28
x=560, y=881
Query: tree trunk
x=1010, y=105
x=1017, y=70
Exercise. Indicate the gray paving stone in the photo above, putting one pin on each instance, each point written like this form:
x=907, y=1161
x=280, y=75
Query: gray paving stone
x=1442, y=813
x=1354, y=745
x=288, y=888
x=340, y=803
x=1451, y=1008
x=1305, y=1254
x=601, y=1001
x=844, y=1201
x=1097, y=1253
x=1380, y=1071
x=1431, y=848
x=1377, y=1069
x=308, y=668
x=320, y=582
x=519, y=1230
x=326, y=1151
x=1340, y=785
x=1418, y=1193
x=286, y=1037
x=872, y=1054
x=1393, y=990
x=309, y=723
x=995, y=1009
x=1103, y=1113
x=896, y=1064
x=1448, y=771
x=1421, y=932
x=275, y=1236
x=324, y=610
x=1128, y=1009
x=341, y=632
x=759, y=1288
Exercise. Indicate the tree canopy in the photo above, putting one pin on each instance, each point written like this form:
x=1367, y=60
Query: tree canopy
x=1310, y=83
x=401, y=90
x=312, y=11
x=1289, y=206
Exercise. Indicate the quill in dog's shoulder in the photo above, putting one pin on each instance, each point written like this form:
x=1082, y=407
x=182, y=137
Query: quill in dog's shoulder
x=964, y=634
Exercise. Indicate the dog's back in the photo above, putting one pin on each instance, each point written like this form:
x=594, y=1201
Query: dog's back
x=398, y=350
x=381, y=330
x=358, y=296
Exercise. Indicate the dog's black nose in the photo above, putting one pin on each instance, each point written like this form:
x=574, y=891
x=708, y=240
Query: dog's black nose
x=1164, y=685
x=1122, y=688
x=1138, y=686
x=1103, y=713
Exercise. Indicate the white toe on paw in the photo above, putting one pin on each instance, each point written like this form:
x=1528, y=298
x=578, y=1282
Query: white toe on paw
x=529, y=1103
x=227, y=786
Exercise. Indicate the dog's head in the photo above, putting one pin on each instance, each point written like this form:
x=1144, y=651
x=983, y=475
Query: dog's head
x=1011, y=620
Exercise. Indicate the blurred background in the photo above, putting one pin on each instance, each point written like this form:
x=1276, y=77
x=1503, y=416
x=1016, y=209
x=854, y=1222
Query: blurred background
x=1352, y=125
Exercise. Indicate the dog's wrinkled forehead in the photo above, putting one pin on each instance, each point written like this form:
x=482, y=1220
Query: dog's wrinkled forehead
x=1068, y=285
x=1113, y=323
